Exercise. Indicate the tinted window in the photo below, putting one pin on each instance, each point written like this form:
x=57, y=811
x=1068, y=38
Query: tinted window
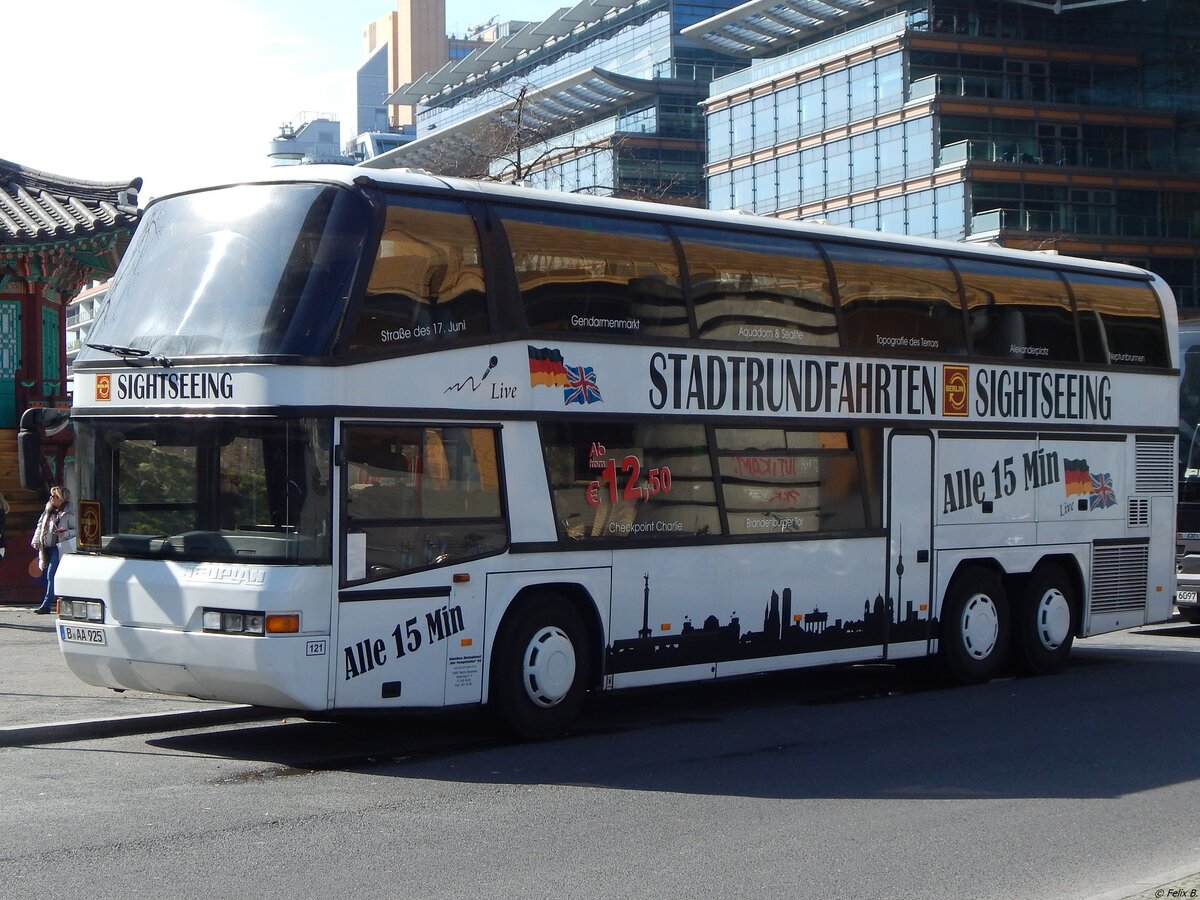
x=236, y=271
x=1018, y=313
x=418, y=497
x=1120, y=321
x=897, y=301
x=427, y=280
x=782, y=481
x=646, y=481
x=588, y=275
x=1189, y=391
x=752, y=288
x=208, y=489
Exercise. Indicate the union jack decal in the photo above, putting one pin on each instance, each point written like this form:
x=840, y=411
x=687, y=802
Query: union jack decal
x=581, y=386
x=1103, y=495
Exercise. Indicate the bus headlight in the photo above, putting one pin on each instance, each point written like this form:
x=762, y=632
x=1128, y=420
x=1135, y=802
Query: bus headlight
x=225, y=621
x=80, y=610
x=229, y=621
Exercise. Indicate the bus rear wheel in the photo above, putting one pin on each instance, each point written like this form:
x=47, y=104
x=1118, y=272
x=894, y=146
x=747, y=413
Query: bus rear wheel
x=1044, y=622
x=540, y=669
x=975, y=626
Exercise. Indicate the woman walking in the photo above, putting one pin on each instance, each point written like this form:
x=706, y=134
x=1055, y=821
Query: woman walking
x=55, y=527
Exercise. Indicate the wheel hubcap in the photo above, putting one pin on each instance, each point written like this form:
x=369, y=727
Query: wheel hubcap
x=548, y=670
x=980, y=626
x=1053, y=619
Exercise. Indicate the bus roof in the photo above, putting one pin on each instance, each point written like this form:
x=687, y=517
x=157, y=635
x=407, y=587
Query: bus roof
x=425, y=182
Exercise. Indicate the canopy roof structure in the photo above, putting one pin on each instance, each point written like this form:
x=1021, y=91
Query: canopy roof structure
x=587, y=95
x=760, y=26
x=533, y=35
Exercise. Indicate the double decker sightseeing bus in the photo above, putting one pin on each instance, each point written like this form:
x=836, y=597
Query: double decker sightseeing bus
x=353, y=441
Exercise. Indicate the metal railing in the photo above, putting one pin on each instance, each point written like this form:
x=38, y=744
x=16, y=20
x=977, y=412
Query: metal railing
x=1095, y=222
x=1081, y=155
x=1022, y=87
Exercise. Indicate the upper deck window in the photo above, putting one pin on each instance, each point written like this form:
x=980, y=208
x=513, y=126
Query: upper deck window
x=1120, y=321
x=759, y=288
x=898, y=301
x=427, y=280
x=1018, y=312
x=587, y=275
x=238, y=271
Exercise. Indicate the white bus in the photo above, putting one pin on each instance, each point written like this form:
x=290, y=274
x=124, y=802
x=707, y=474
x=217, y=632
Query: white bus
x=355, y=441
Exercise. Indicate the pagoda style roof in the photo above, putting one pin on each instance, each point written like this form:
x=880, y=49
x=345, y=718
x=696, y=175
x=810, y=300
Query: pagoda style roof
x=39, y=208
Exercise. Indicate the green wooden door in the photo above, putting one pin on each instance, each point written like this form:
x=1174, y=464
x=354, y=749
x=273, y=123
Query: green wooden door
x=10, y=355
x=51, y=354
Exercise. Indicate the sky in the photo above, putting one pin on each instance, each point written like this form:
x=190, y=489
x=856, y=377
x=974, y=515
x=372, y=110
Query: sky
x=185, y=94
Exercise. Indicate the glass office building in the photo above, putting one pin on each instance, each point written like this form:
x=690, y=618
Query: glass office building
x=601, y=97
x=1070, y=125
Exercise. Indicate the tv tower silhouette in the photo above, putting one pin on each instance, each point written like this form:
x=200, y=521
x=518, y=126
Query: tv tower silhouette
x=645, y=632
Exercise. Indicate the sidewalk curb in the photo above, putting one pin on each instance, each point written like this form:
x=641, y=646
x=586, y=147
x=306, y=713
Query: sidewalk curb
x=142, y=723
x=1157, y=886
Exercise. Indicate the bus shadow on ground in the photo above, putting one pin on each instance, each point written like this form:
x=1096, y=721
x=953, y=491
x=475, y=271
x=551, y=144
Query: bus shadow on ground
x=1113, y=723
x=1175, y=629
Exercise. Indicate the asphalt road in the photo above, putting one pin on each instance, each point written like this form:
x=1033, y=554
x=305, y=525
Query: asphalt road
x=858, y=783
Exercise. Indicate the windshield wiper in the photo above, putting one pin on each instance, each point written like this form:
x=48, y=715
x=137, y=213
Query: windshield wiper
x=132, y=355
x=123, y=352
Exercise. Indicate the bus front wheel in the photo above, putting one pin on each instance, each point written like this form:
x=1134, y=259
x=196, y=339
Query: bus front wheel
x=540, y=669
x=1044, y=622
x=975, y=626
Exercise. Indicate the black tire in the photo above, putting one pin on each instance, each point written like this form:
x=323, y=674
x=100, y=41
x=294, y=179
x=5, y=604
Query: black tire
x=540, y=669
x=1190, y=615
x=974, y=626
x=1044, y=622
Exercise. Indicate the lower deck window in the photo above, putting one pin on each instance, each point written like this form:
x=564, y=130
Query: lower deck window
x=418, y=497
x=784, y=481
x=199, y=489
x=649, y=481
x=655, y=481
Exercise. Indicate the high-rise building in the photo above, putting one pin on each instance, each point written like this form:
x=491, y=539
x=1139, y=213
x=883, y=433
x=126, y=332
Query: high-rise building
x=1068, y=125
x=413, y=40
x=400, y=47
x=601, y=97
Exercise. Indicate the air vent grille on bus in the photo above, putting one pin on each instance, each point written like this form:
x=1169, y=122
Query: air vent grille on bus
x=1119, y=573
x=1155, y=466
x=1139, y=512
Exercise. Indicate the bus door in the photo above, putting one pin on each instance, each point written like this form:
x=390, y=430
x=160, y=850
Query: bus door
x=414, y=646
x=421, y=507
x=910, y=544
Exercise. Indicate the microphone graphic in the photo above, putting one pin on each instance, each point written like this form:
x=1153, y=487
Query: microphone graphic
x=470, y=379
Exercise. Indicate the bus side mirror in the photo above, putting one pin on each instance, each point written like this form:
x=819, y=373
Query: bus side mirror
x=29, y=460
x=34, y=421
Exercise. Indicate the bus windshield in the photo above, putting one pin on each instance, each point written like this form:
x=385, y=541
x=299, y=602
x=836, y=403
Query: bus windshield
x=252, y=269
x=1189, y=425
x=205, y=489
